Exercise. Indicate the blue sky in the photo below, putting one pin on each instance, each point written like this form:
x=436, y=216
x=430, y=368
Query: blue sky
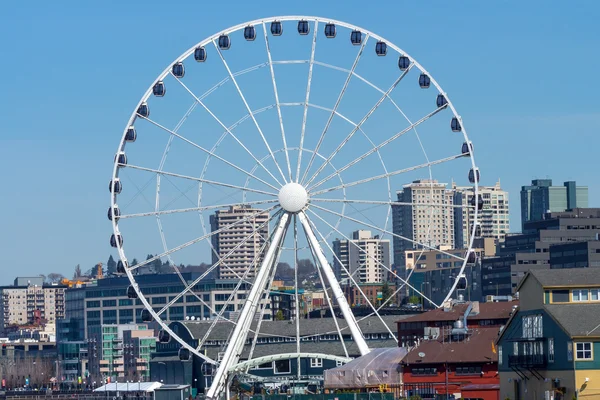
x=522, y=74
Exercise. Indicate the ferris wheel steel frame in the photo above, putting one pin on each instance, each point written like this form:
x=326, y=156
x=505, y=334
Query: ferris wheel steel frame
x=230, y=361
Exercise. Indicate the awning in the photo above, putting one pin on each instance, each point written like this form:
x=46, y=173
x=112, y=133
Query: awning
x=129, y=387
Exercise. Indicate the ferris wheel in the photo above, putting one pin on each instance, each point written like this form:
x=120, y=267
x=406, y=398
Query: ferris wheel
x=268, y=142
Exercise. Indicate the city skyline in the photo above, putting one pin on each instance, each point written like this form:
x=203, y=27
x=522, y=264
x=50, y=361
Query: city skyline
x=58, y=193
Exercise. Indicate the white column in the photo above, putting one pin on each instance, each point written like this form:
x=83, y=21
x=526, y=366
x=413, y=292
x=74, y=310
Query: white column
x=338, y=294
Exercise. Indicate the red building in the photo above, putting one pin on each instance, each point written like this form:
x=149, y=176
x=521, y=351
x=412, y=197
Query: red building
x=463, y=364
x=432, y=323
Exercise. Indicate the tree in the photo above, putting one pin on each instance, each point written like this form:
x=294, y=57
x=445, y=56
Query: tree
x=55, y=277
x=111, y=265
x=77, y=274
x=284, y=271
x=414, y=299
x=279, y=316
x=305, y=267
x=386, y=293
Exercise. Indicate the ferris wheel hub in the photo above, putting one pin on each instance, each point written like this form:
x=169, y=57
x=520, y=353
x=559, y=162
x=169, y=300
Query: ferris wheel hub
x=293, y=197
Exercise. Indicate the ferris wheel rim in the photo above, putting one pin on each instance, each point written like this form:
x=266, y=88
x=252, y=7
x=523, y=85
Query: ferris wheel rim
x=239, y=27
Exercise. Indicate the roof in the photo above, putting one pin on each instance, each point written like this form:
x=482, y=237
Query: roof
x=575, y=318
x=478, y=347
x=481, y=386
x=565, y=277
x=495, y=310
x=129, y=387
x=314, y=326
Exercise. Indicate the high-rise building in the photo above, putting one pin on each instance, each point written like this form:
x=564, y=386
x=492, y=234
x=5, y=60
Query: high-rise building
x=423, y=218
x=493, y=219
x=362, y=256
x=29, y=301
x=242, y=258
x=541, y=197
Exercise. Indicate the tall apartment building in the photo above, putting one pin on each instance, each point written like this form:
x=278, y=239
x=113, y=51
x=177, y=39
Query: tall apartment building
x=493, y=219
x=363, y=257
x=31, y=302
x=224, y=242
x=423, y=218
x=541, y=197
x=121, y=352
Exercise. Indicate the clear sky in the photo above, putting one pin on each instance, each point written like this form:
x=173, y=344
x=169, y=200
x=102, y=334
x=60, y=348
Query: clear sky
x=522, y=74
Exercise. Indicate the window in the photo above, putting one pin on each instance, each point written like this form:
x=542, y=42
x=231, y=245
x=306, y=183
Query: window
x=283, y=367
x=550, y=350
x=515, y=348
x=560, y=296
x=532, y=326
x=595, y=294
x=584, y=351
x=468, y=370
x=316, y=362
x=499, y=355
x=424, y=371
x=268, y=365
x=580, y=295
x=339, y=363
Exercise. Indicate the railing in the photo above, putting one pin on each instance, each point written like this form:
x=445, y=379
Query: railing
x=528, y=360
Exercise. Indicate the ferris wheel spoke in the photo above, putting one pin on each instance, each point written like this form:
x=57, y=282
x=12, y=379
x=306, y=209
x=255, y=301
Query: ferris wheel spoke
x=386, y=175
x=225, y=127
x=362, y=121
x=391, y=203
x=192, y=178
x=310, y=72
x=220, y=261
x=283, y=138
x=296, y=282
x=232, y=295
x=208, y=152
x=203, y=237
x=248, y=109
x=329, y=304
x=313, y=242
x=379, y=147
x=195, y=209
x=372, y=226
x=333, y=112
x=348, y=273
x=378, y=262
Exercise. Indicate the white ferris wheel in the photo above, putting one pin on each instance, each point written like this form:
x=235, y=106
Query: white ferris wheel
x=311, y=125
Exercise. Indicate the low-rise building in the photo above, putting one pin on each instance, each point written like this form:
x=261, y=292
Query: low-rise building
x=276, y=337
x=549, y=348
x=432, y=324
x=460, y=362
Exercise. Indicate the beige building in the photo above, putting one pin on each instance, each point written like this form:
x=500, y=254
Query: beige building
x=242, y=258
x=427, y=217
x=31, y=302
x=493, y=219
x=364, y=257
x=432, y=259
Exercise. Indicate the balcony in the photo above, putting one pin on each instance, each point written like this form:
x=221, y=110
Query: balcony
x=103, y=362
x=118, y=361
x=527, y=361
x=104, y=369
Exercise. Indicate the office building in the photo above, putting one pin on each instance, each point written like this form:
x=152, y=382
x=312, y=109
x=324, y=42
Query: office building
x=29, y=301
x=493, y=219
x=365, y=257
x=247, y=255
x=107, y=302
x=425, y=217
x=549, y=348
x=541, y=197
x=521, y=253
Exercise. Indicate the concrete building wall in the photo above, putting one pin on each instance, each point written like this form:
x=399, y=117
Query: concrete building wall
x=245, y=256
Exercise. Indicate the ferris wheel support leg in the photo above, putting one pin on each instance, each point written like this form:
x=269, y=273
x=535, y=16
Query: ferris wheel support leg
x=238, y=338
x=338, y=294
